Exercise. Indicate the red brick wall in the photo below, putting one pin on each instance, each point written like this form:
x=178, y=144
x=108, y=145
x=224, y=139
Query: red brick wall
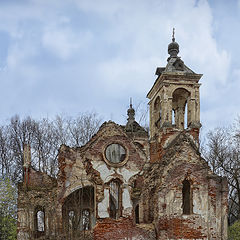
x=121, y=229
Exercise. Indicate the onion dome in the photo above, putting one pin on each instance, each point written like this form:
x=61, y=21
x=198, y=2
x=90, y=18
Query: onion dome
x=173, y=47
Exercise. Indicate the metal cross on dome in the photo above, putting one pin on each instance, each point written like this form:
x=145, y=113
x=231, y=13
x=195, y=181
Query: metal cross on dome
x=173, y=37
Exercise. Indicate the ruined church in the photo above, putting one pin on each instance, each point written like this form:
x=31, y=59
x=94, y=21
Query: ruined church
x=126, y=183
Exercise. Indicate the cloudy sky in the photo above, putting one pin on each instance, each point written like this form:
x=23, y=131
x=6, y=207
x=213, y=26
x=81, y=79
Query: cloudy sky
x=72, y=56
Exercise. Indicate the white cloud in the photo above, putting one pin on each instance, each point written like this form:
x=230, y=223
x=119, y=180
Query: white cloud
x=127, y=75
x=64, y=43
x=236, y=74
x=105, y=8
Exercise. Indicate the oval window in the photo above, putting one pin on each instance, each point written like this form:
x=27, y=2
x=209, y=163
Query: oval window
x=115, y=153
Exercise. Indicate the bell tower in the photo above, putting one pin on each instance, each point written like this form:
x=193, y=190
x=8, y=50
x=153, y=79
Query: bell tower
x=174, y=97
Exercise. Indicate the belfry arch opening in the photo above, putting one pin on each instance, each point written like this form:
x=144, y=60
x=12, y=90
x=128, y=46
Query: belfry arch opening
x=180, y=108
x=79, y=211
x=157, y=112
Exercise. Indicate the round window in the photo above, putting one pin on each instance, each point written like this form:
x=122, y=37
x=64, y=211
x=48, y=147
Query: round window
x=115, y=153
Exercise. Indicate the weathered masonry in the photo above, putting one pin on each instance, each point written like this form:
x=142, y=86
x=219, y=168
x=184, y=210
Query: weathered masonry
x=125, y=184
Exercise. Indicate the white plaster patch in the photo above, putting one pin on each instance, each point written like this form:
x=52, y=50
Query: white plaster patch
x=170, y=200
x=103, y=206
x=105, y=173
x=200, y=203
x=126, y=201
x=102, y=169
x=126, y=174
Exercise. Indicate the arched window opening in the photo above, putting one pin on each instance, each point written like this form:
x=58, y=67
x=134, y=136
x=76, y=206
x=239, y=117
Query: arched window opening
x=186, y=197
x=115, y=199
x=39, y=221
x=180, y=108
x=157, y=113
x=137, y=214
x=79, y=211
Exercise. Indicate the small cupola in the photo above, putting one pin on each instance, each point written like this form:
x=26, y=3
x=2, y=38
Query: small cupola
x=131, y=114
x=132, y=126
x=173, y=47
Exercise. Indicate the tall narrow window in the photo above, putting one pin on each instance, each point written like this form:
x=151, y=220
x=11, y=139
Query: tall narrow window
x=186, y=197
x=137, y=214
x=173, y=117
x=186, y=115
x=114, y=201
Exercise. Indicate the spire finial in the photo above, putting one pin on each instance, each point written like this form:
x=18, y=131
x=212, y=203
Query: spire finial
x=130, y=102
x=173, y=37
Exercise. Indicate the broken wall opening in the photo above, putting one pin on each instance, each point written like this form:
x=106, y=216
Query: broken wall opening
x=79, y=212
x=115, y=199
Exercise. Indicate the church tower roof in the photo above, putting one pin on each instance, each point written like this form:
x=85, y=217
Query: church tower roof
x=174, y=97
x=175, y=63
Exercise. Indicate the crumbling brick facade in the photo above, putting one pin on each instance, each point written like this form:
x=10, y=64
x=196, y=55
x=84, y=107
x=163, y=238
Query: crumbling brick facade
x=124, y=184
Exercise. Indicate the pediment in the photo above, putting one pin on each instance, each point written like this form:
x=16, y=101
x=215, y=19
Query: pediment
x=106, y=131
x=182, y=148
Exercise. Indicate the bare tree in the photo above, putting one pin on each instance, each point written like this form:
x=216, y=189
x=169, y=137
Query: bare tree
x=45, y=147
x=60, y=129
x=20, y=133
x=142, y=114
x=223, y=154
x=45, y=136
x=82, y=128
